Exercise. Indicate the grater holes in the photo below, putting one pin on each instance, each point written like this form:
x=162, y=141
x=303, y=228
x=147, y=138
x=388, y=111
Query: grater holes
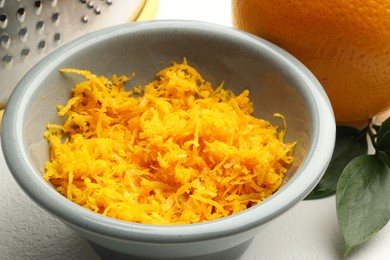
x=90, y=5
x=39, y=26
x=109, y=2
x=38, y=7
x=3, y=21
x=2, y=3
x=38, y=4
x=57, y=38
x=21, y=14
x=41, y=45
x=55, y=18
x=25, y=52
x=5, y=40
x=84, y=19
x=23, y=34
x=8, y=60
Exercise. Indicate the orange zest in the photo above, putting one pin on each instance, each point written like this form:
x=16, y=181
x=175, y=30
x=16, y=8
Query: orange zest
x=175, y=151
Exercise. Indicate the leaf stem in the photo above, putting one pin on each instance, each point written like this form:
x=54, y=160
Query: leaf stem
x=371, y=133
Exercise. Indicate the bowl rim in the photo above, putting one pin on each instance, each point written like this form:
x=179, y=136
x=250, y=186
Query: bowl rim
x=75, y=215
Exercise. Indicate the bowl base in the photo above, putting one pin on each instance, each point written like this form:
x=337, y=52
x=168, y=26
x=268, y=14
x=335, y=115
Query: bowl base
x=229, y=254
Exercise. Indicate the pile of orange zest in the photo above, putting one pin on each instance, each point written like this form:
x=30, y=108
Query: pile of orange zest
x=175, y=151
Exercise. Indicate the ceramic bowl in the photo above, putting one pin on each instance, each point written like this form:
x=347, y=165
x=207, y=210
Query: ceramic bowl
x=277, y=82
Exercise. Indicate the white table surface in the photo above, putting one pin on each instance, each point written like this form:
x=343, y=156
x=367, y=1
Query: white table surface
x=308, y=231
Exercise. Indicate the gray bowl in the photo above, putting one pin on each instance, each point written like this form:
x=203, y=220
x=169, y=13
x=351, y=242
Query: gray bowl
x=277, y=82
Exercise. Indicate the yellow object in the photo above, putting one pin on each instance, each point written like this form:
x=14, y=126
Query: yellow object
x=1, y=117
x=346, y=44
x=149, y=10
x=174, y=152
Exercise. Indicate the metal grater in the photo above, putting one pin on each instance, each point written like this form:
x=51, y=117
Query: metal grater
x=30, y=29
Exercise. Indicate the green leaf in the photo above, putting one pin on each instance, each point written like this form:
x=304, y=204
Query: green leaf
x=350, y=143
x=383, y=144
x=383, y=130
x=363, y=199
x=384, y=157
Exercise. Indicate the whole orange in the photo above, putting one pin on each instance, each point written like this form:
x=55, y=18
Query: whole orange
x=345, y=43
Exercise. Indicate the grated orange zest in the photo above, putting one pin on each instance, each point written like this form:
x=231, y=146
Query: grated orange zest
x=175, y=151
